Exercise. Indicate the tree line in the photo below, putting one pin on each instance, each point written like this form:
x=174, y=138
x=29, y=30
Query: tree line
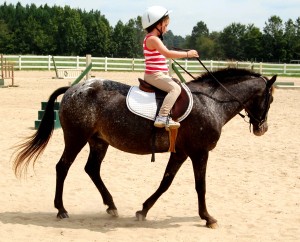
x=56, y=30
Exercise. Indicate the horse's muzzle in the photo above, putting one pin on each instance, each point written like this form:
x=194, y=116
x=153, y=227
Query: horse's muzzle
x=260, y=129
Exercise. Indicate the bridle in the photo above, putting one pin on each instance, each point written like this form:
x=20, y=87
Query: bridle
x=264, y=117
x=259, y=120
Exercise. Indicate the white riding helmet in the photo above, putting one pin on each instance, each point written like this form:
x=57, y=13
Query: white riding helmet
x=153, y=14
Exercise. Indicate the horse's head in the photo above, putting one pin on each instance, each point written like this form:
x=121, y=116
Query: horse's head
x=259, y=106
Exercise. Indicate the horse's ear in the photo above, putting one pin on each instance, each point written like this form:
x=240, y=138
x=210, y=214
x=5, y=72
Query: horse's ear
x=271, y=81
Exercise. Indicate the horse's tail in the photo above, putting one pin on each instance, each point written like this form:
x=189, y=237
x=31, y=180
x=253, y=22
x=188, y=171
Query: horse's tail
x=34, y=145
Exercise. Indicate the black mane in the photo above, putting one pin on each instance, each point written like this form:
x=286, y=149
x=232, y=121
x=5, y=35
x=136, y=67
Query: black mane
x=227, y=74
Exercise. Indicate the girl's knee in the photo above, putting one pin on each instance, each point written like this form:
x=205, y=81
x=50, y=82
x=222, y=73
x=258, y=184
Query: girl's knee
x=177, y=89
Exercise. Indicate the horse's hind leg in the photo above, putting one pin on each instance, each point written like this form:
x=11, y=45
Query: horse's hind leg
x=98, y=150
x=175, y=162
x=62, y=167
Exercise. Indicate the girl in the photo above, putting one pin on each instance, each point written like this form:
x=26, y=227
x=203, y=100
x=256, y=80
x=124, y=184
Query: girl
x=155, y=21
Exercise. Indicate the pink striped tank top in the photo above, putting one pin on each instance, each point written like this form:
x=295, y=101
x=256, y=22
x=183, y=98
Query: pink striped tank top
x=154, y=60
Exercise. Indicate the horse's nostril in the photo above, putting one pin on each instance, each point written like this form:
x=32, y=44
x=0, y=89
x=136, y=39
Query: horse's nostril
x=260, y=129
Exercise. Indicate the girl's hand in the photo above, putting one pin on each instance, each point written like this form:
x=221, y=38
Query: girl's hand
x=192, y=54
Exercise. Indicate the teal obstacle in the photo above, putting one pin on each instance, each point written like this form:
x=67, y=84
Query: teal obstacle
x=41, y=114
x=57, y=104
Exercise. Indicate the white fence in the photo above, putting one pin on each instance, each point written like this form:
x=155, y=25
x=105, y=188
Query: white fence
x=26, y=62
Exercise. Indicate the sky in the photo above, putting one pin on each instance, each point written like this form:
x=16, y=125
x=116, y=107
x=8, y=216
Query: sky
x=187, y=13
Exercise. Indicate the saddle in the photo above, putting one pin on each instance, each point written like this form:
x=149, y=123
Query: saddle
x=181, y=104
x=145, y=100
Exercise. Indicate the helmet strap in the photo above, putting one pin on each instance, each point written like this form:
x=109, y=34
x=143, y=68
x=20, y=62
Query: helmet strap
x=160, y=34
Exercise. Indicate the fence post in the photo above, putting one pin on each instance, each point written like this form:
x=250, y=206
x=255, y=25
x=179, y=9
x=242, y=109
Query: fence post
x=284, y=68
x=20, y=63
x=211, y=65
x=132, y=68
x=260, y=68
x=55, y=68
x=105, y=64
x=2, y=71
x=77, y=62
x=12, y=76
x=88, y=61
x=49, y=64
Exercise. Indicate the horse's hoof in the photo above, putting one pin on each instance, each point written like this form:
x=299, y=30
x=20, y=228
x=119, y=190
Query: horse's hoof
x=140, y=216
x=112, y=212
x=62, y=215
x=212, y=225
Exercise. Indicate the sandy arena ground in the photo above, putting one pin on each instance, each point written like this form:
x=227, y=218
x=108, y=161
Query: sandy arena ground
x=253, y=183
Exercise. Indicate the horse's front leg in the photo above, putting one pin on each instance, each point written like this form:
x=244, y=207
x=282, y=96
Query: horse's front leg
x=175, y=162
x=199, y=161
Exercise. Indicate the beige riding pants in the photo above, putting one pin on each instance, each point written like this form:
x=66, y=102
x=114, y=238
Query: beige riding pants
x=164, y=82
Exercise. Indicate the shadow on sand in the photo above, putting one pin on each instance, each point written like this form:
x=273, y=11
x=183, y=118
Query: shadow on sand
x=95, y=222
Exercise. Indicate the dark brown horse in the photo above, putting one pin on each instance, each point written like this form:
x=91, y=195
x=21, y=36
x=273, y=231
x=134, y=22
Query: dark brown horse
x=95, y=112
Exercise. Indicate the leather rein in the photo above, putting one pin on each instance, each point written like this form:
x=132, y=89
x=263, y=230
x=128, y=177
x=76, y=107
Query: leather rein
x=251, y=117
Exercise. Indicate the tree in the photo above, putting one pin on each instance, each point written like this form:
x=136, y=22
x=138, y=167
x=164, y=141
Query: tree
x=231, y=41
x=117, y=36
x=130, y=45
x=7, y=24
x=98, y=30
x=127, y=39
x=48, y=30
x=218, y=52
x=297, y=44
x=72, y=33
x=171, y=40
x=168, y=39
x=58, y=30
x=251, y=42
x=18, y=38
x=200, y=30
x=139, y=36
x=5, y=36
x=273, y=40
x=290, y=39
x=206, y=47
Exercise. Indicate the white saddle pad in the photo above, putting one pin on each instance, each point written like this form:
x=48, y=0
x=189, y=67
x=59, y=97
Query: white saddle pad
x=144, y=104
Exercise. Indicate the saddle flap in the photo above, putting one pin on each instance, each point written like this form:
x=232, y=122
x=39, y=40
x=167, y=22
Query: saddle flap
x=180, y=105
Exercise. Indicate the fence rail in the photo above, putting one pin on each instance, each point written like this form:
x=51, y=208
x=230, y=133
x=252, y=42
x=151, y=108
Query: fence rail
x=30, y=62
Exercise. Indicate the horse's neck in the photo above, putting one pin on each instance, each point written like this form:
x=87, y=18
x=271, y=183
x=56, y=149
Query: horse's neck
x=227, y=104
x=238, y=95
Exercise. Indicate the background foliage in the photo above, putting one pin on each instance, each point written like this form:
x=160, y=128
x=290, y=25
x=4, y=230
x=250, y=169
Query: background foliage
x=58, y=30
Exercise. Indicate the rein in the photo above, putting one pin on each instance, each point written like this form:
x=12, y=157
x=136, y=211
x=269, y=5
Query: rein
x=249, y=114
